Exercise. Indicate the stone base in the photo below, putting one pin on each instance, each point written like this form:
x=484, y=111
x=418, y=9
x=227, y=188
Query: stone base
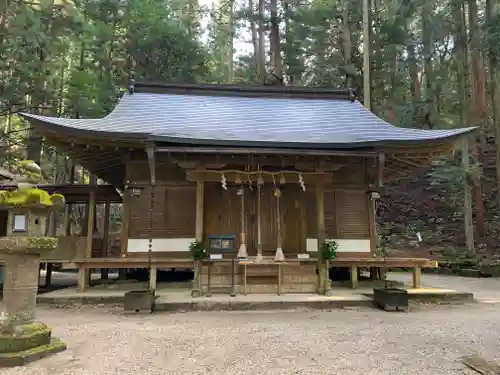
x=27, y=343
x=139, y=301
x=34, y=354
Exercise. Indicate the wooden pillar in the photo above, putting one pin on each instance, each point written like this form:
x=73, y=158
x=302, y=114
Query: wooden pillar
x=320, y=233
x=151, y=153
x=417, y=277
x=69, y=206
x=48, y=275
x=125, y=210
x=200, y=203
x=354, y=277
x=152, y=278
x=84, y=273
x=105, y=237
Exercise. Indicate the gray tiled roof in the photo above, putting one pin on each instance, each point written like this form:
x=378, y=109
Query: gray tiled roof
x=248, y=121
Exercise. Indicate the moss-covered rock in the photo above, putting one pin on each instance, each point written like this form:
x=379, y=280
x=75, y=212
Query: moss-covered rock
x=24, y=357
x=27, y=244
x=25, y=337
x=30, y=197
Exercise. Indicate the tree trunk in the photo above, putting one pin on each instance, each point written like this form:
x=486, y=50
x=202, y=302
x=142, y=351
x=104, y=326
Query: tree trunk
x=461, y=56
x=230, y=49
x=477, y=108
x=494, y=99
x=275, y=41
x=428, y=115
x=262, y=43
x=367, y=82
x=469, y=228
x=255, y=37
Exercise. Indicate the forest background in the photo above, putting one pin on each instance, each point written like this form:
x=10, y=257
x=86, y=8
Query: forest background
x=433, y=64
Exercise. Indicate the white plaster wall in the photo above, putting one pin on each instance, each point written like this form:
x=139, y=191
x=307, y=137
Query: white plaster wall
x=345, y=245
x=136, y=245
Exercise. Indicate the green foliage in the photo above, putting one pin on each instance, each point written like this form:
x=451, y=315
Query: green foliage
x=45, y=243
x=329, y=250
x=198, y=251
x=30, y=197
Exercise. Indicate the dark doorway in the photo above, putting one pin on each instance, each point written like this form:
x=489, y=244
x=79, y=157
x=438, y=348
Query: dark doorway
x=4, y=219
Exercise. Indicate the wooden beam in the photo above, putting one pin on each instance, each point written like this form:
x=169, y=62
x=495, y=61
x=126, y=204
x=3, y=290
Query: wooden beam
x=212, y=176
x=262, y=151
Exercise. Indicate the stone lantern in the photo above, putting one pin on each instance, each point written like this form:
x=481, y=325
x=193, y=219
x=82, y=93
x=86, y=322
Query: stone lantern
x=22, y=339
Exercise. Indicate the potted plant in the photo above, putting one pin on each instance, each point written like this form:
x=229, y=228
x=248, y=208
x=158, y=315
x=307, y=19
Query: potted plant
x=198, y=254
x=328, y=253
x=386, y=298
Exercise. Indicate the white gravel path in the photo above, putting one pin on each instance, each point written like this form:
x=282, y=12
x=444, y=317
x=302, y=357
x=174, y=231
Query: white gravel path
x=429, y=341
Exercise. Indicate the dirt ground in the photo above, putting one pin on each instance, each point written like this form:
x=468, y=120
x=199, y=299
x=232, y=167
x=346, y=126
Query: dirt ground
x=428, y=340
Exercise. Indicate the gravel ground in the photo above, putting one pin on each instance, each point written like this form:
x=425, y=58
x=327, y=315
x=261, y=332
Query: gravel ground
x=429, y=340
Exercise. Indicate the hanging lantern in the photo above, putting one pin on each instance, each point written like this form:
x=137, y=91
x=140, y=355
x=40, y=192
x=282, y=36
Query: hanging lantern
x=282, y=179
x=238, y=181
x=240, y=191
x=277, y=192
x=260, y=180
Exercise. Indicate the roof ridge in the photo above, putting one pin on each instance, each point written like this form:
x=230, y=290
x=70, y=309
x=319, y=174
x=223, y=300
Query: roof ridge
x=270, y=91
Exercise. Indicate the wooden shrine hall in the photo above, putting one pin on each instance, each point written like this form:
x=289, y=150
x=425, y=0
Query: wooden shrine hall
x=272, y=172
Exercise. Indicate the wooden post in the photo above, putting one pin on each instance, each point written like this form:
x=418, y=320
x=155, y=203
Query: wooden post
x=68, y=206
x=320, y=230
x=417, y=277
x=242, y=251
x=84, y=273
x=258, y=258
x=152, y=278
x=200, y=203
x=354, y=277
x=122, y=272
x=48, y=275
x=105, y=237
x=151, y=153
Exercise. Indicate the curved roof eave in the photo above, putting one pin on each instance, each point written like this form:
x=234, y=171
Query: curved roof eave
x=241, y=143
x=220, y=120
x=82, y=132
